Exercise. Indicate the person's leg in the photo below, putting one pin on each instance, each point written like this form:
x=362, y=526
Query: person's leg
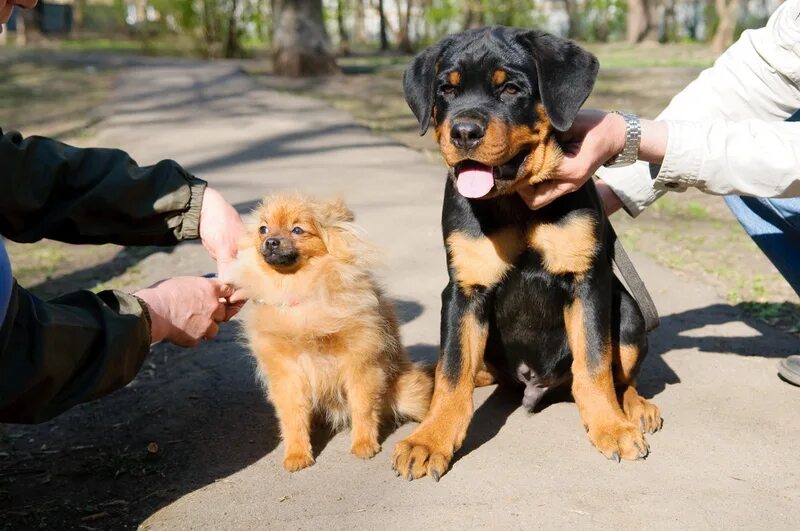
x=774, y=225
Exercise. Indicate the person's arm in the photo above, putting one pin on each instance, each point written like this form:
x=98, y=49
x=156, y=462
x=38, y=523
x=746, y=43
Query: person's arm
x=81, y=346
x=51, y=190
x=758, y=78
x=78, y=347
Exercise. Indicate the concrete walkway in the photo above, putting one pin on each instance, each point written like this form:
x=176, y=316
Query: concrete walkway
x=728, y=454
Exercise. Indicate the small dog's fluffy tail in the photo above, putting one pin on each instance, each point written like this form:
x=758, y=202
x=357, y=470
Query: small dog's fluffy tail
x=412, y=392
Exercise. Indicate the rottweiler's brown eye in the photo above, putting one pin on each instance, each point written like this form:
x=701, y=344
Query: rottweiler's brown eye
x=448, y=90
x=298, y=231
x=511, y=89
x=263, y=230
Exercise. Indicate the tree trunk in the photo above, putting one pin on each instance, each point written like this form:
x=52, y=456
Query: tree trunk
x=475, y=17
x=384, y=38
x=344, y=38
x=31, y=26
x=572, y=19
x=78, y=8
x=301, y=46
x=359, y=23
x=641, y=23
x=403, y=23
x=232, y=45
x=728, y=11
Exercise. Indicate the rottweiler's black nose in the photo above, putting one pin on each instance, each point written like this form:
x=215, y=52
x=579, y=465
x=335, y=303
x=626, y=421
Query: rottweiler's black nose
x=466, y=135
x=273, y=243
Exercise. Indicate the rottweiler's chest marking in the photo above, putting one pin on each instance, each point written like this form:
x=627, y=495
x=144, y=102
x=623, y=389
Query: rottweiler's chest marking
x=568, y=247
x=485, y=260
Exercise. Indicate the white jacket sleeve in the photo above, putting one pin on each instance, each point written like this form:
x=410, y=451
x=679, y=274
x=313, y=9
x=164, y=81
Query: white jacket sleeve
x=727, y=150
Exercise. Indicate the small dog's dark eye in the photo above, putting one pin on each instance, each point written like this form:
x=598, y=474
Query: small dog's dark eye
x=263, y=229
x=447, y=90
x=511, y=89
x=298, y=231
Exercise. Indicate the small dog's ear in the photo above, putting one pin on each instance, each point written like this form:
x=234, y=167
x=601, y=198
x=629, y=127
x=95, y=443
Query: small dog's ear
x=335, y=210
x=566, y=75
x=418, y=83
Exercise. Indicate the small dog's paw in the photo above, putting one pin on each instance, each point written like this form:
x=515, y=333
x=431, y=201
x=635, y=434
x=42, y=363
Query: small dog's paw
x=365, y=449
x=619, y=439
x=644, y=414
x=297, y=461
x=413, y=459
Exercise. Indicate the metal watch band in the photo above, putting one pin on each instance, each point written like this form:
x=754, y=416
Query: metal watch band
x=633, y=139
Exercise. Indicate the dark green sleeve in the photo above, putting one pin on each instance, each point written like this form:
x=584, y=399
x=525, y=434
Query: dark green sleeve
x=52, y=190
x=78, y=347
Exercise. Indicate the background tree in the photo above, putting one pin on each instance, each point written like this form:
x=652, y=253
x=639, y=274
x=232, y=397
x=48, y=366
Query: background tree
x=403, y=25
x=301, y=46
x=727, y=11
x=382, y=32
x=641, y=21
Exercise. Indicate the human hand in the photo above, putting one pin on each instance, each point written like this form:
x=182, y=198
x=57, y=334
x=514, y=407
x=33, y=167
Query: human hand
x=595, y=137
x=221, y=228
x=184, y=310
x=7, y=6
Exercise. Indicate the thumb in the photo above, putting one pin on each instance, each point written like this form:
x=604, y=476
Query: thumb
x=223, y=291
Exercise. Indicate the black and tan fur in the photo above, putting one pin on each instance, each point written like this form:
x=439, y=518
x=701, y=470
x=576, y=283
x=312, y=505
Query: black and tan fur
x=531, y=297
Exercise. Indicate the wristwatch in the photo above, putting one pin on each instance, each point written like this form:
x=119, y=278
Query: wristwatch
x=633, y=139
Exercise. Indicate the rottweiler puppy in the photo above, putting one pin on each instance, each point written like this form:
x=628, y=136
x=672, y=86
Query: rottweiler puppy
x=532, y=299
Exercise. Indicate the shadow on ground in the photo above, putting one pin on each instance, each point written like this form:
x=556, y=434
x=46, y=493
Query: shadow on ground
x=189, y=419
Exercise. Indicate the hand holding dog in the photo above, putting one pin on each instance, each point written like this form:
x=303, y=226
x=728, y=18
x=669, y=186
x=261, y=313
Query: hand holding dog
x=185, y=310
x=594, y=138
x=221, y=228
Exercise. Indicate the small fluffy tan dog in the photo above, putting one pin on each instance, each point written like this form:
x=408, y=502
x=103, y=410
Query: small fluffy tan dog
x=325, y=337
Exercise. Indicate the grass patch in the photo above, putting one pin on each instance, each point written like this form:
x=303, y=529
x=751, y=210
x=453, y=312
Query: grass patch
x=783, y=315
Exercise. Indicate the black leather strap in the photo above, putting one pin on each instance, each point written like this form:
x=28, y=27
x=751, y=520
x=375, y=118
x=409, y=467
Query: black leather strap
x=634, y=282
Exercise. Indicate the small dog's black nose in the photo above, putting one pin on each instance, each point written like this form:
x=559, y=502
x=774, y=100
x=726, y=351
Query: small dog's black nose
x=466, y=135
x=273, y=243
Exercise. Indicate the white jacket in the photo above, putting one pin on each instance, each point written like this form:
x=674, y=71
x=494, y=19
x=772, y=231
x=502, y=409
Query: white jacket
x=727, y=133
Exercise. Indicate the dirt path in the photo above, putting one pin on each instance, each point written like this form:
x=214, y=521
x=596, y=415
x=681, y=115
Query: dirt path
x=191, y=443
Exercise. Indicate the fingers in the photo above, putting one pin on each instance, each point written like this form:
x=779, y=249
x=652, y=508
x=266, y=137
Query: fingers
x=545, y=193
x=232, y=309
x=27, y=4
x=211, y=331
x=220, y=312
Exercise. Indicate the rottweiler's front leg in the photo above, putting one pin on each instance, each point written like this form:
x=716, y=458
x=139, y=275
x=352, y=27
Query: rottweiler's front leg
x=430, y=448
x=588, y=324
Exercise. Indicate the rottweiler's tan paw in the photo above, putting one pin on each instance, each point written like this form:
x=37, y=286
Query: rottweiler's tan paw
x=619, y=439
x=414, y=458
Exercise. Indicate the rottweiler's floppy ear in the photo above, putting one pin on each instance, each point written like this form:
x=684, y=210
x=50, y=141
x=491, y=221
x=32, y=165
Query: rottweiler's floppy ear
x=418, y=84
x=566, y=75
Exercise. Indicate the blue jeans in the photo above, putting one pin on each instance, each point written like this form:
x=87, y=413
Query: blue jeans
x=774, y=224
x=5, y=281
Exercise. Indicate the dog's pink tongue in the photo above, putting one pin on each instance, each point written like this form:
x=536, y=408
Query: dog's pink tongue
x=475, y=182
